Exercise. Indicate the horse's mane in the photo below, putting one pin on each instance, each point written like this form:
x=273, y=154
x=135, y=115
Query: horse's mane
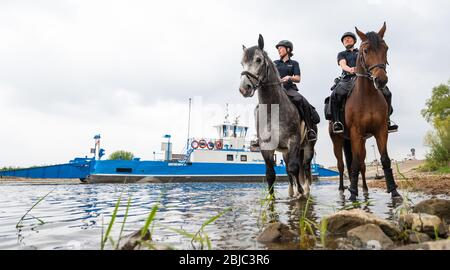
x=374, y=40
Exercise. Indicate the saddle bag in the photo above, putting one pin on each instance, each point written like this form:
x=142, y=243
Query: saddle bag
x=315, y=118
x=336, y=82
x=327, y=109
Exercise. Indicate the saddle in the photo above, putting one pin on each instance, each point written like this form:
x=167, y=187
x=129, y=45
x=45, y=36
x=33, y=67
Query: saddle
x=343, y=86
x=296, y=96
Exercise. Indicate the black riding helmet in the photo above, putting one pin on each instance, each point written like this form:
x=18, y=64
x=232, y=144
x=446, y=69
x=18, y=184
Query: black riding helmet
x=348, y=34
x=285, y=43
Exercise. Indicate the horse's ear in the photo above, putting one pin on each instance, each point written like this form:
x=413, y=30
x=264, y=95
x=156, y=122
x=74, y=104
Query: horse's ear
x=361, y=35
x=244, y=48
x=261, y=42
x=382, y=30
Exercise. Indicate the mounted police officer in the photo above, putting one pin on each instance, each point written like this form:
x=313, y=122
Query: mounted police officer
x=289, y=71
x=347, y=61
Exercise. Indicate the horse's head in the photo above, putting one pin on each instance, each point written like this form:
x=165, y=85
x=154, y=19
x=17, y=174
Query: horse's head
x=255, y=64
x=372, y=59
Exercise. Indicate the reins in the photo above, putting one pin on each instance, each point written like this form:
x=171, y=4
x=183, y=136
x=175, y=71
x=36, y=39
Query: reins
x=260, y=82
x=368, y=70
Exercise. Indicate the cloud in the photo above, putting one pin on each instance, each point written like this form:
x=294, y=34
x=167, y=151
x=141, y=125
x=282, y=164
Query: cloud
x=71, y=69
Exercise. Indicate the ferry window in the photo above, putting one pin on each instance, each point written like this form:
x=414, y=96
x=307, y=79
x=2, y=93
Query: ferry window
x=230, y=158
x=243, y=158
x=124, y=170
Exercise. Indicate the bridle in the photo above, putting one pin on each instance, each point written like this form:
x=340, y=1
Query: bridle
x=260, y=82
x=368, y=70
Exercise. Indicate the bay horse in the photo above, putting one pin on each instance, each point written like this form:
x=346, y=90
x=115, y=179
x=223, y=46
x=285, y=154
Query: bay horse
x=366, y=115
x=278, y=123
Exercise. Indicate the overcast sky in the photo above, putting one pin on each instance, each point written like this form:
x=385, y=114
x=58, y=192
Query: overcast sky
x=125, y=69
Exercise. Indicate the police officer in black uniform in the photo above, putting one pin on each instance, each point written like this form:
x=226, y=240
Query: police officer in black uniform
x=290, y=74
x=347, y=61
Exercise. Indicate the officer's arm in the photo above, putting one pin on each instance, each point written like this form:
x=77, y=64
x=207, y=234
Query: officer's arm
x=295, y=78
x=344, y=66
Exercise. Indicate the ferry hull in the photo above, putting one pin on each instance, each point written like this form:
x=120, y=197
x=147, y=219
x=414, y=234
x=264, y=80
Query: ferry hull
x=99, y=179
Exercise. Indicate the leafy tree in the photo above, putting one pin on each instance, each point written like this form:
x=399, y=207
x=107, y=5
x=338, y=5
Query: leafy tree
x=121, y=155
x=437, y=113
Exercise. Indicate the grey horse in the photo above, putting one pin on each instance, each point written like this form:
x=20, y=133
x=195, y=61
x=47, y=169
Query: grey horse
x=278, y=123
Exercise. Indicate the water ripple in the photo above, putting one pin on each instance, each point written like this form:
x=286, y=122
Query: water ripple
x=73, y=214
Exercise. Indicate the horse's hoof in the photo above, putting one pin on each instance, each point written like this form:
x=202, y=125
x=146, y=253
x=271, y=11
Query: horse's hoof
x=291, y=191
x=365, y=193
x=353, y=198
x=396, y=196
x=341, y=192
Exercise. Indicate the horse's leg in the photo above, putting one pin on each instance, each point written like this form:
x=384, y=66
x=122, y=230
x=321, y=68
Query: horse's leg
x=363, y=170
x=357, y=145
x=286, y=161
x=308, y=155
x=270, y=170
x=301, y=175
x=337, y=148
x=295, y=166
x=381, y=139
x=348, y=156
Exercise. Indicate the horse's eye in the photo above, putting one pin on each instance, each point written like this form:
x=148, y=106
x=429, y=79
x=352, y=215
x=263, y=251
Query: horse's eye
x=366, y=50
x=258, y=60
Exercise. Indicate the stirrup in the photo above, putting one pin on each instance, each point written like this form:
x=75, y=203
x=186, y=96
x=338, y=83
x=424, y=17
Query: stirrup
x=392, y=128
x=338, y=127
x=314, y=138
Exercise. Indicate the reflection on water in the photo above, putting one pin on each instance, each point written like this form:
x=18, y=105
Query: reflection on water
x=71, y=216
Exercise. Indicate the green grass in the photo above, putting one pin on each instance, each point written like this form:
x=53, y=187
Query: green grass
x=400, y=173
x=200, y=237
x=434, y=168
x=267, y=211
x=203, y=236
x=123, y=222
x=110, y=225
x=306, y=228
x=443, y=170
x=150, y=219
x=19, y=223
x=356, y=204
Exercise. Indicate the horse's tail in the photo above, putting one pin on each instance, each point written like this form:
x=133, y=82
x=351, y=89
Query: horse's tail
x=303, y=130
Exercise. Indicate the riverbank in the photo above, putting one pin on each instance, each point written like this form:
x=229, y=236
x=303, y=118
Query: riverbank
x=409, y=178
x=37, y=181
x=434, y=184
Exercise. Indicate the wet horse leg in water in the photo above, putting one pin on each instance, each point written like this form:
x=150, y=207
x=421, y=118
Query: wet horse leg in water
x=363, y=170
x=308, y=155
x=381, y=139
x=294, y=167
x=270, y=170
x=348, y=156
x=291, y=182
x=357, y=146
x=337, y=148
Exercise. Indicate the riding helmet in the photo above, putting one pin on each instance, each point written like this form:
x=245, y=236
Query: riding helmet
x=348, y=34
x=285, y=43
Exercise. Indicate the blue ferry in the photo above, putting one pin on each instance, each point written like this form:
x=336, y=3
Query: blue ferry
x=229, y=157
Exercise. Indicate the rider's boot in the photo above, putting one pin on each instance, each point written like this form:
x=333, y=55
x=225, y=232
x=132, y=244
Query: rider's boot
x=392, y=127
x=311, y=134
x=337, y=126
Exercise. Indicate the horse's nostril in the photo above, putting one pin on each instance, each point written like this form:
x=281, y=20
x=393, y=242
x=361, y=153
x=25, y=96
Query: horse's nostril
x=247, y=87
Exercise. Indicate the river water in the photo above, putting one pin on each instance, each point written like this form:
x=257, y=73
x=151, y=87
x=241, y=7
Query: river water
x=73, y=216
